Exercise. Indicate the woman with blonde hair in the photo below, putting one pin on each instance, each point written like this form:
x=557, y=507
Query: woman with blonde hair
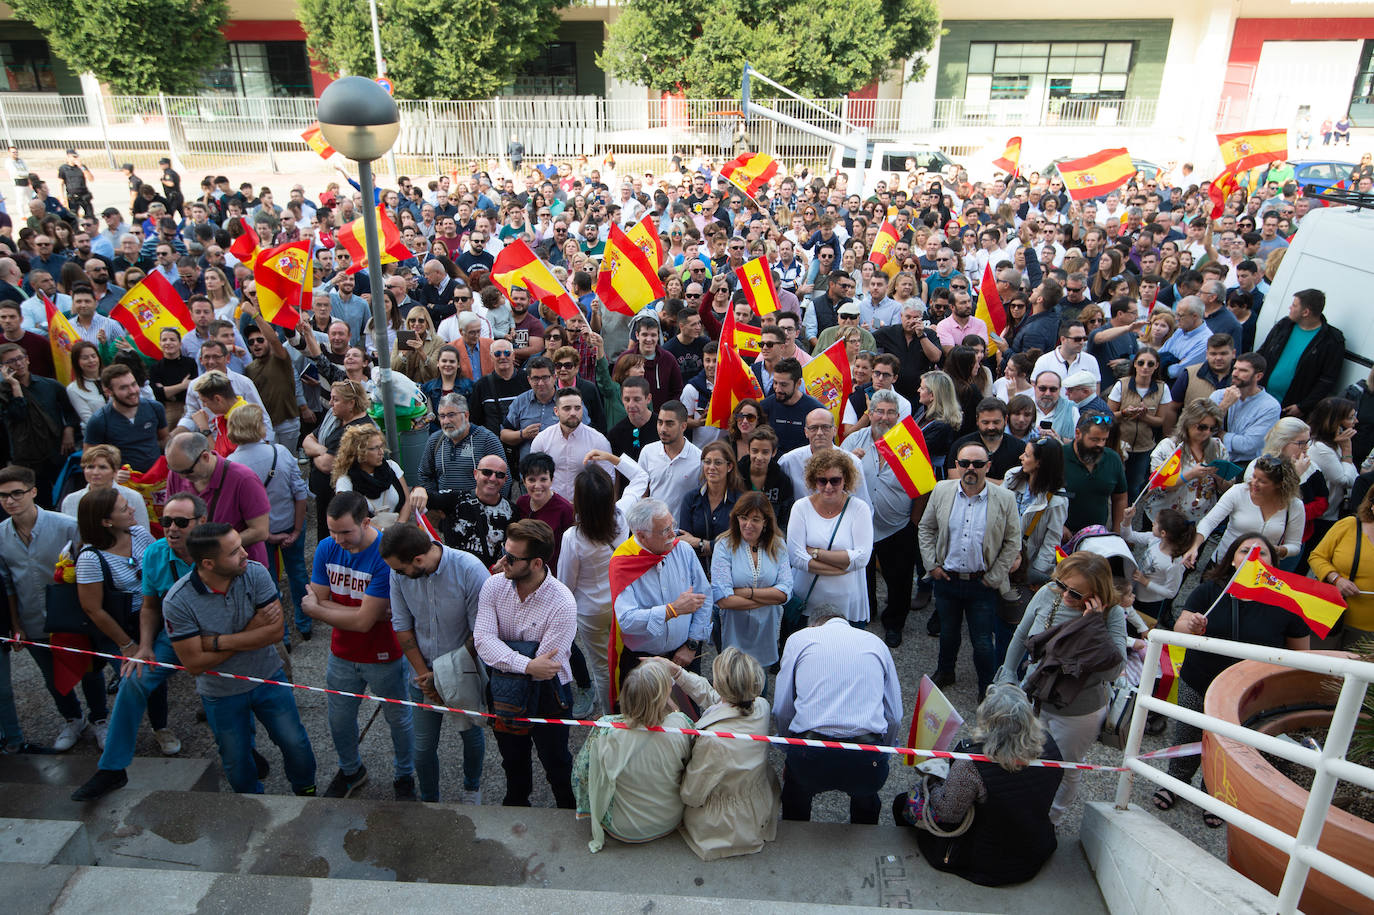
x=221, y=295
x=1198, y=486
x=362, y=465
x=830, y=537
x=348, y=405
x=100, y=464
x=418, y=359
x=1269, y=504
x=939, y=415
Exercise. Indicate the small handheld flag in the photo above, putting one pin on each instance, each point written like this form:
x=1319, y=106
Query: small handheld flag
x=627, y=280
x=883, y=244
x=1010, y=160
x=934, y=721
x=147, y=309
x=826, y=377
x=518, y=265
x=245, y=248
x=756, y=279
x=750, y=172
x=904, y=449
x=744, y=339
x=1319, y=604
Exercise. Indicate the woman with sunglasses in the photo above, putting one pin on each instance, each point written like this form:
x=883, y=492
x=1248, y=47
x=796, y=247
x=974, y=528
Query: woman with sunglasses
x=1081, y=584
x=1270, y=503
x=348, y=403
x=830, y=538
x=1198, y=487
x=746, y=417
x=1141, y=405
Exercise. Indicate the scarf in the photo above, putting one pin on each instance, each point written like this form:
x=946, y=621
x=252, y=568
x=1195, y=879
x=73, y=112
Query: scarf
x=374, y=485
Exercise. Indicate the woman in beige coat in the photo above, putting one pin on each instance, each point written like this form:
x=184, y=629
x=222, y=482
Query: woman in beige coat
x=730, y=792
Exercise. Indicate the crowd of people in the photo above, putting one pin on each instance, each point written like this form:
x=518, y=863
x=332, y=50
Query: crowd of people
x=1130, y=337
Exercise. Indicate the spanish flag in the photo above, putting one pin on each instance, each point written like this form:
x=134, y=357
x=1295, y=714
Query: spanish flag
x=1243, y=151
x=518, y=265
x=628, y=563
x=645, y=235
x=1170, y=663
x=246, y=247
x=1010, y=160
x=750, y=172
x=1320, y=605
x=1059, y=554
x=1097, y=175
x=744, y=339
x=61, y=338
x=904, y=449
x=934, y=721
x=284, y=274
x=314, y=138
x=990, y=309
x=883, y=244
x=1222, y=187
x=627, y=281
x=354, y=237
x=148, y=308
x=756, y=279
x=1168, y=473
x=826, y=377
x=734, y=382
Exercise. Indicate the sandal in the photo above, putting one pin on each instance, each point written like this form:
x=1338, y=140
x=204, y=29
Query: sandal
x=1211, y=820
x=1164, y=799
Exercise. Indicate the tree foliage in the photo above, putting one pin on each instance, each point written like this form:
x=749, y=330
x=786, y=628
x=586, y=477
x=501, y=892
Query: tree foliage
x=137, y=46
x=433, y=49
x=814, y=47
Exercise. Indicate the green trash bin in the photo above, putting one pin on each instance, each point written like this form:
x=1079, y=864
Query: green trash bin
x=414, y=432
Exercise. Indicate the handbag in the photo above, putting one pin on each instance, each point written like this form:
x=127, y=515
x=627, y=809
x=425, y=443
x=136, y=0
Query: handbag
x=794, y=611
x=1121, y=698
x=65, y=614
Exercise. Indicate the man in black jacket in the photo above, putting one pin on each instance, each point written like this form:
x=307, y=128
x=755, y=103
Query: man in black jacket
x=1305, y=354
x=915, y=344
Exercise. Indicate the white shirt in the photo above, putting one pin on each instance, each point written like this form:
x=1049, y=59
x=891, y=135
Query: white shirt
x=702, y=435
x=449, y=331
x=657, y=476
x=35, y=313
x=793, y=464
x=1053, y=361
x=568, y=451
x=242, y=386
x=850, y=417
x=849, y=686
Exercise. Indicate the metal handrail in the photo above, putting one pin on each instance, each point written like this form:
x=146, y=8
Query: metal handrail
x=1329, y=765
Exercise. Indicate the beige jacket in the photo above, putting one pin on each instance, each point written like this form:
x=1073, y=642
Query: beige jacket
x=729, y=789
x=1001, y=544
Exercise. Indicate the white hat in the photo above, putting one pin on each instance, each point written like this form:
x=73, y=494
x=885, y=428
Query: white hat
x=1080, y=378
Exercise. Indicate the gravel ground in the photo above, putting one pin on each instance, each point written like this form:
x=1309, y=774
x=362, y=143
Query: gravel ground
x=916, y=656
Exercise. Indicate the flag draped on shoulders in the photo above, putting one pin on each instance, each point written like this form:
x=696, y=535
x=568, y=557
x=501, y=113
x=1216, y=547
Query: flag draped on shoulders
x=518, y=265
x=148, y=308
x=628, y=563
x=904, y=449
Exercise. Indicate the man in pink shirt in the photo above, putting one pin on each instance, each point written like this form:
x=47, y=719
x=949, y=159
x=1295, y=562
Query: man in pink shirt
x=960, y=323
x=233, y=493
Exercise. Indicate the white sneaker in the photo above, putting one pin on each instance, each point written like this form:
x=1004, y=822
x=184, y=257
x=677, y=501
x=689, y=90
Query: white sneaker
x=70, y=735
x=470, y=797
x=168, y=742
x=100, y=727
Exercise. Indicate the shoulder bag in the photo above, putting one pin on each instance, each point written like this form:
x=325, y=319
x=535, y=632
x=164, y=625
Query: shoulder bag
x=64, y=612
x=514, y=695
x=794, y=611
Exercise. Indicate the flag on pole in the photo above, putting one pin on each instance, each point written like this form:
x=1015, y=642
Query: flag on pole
x=744, y=339
x=934, y=721
x=904, y=449
x=61, y=338
x=1222, y=187
x=245, y=248
x=314, y=138
x=1320, y=198
x=283, y=274
x=750, y=172
x=1098, y=174
x=1168, y=472
x=148, y=308
x=734, y=382
x=628, y=563
x=990, y=309
x=518, y=265
x=826, y=377
x=354, y=238
x=1010, y=160
x=1244, y=150
x=883, y=244
x=756, y=279
x=427, y=526
x=645, y=234
x=627, y=280
x=1320, y=605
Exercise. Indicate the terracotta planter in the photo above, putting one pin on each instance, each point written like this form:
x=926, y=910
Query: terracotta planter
x=1242, y=777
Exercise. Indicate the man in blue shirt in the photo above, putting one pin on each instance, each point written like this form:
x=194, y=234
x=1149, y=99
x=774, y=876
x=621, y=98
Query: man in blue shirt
x=1188, y=344
x=351, y=309
x=1250, y=411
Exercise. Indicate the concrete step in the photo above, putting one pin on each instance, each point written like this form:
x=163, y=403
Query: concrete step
x=536, y=848
x=172, y=773
x=44, y=842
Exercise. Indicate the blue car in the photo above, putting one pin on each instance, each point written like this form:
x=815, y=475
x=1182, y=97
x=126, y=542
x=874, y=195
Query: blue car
x=1322, y=173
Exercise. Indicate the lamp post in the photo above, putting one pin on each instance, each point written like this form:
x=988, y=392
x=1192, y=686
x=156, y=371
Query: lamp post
x=360, y=119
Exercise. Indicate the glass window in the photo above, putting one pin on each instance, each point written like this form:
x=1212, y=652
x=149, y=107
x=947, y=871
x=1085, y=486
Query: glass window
x=28, y=66
x=980, y=57
x=256, y=69
x=1079, y=70
x=552, y=72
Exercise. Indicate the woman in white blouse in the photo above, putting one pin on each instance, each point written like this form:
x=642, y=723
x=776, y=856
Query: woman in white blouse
x=85, y=391
x=584, y=567
x=830, y=538
x=1269, y=504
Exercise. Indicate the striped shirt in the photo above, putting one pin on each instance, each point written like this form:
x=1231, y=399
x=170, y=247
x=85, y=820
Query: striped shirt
x=838, y=681
x=548, y=616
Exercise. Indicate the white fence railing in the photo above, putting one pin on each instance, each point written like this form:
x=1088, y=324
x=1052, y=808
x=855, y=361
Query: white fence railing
x=1329, y=765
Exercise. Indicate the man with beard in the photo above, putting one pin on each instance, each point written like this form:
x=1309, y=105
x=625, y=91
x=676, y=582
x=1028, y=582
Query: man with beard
x=349, y=308
x=451, y=455
x=569, y=442
x=527, y=334
x=1094, y=475
x=1003, y=448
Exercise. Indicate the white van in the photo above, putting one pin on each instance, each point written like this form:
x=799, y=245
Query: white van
x=886, y=159
x=1331, y=252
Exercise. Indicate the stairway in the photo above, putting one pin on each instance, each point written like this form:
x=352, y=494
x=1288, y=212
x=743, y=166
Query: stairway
x=172, y=839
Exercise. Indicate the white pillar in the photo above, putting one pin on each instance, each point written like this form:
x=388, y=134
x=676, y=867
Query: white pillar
x=1194, y=72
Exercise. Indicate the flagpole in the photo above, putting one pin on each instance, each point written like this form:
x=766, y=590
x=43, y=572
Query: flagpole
x=1254, y=554
x=379, y=325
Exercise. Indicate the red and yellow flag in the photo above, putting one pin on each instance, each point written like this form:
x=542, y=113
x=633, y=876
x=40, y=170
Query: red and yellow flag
x=1097, y=175
x=628, y=280
x=1243, y=151
x=314, y=138
x=61, y=338
x=148, y=308
x=756, y=279
x=934, y=721
x=518, y=265
x=744, y=339
x=1168, y=472
x=826, y=377
x=284, y=275
x=628, y=563
x=904, y=449
x=1059, y=554
x=1010, y=160
x=734, y=382
x=750, y=172
x=1222, y=187
x=645, y=234
x=883, y=244
x=354, y=237
x=246, y=247
x=1320, y=605
x=1170, y=663
x=990, y=309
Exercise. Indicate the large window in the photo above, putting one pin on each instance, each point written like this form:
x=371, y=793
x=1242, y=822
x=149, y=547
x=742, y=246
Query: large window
x=28, y=66
x=264, y=68
x=1362, y=97
x=1004, y=71
x=552, y=72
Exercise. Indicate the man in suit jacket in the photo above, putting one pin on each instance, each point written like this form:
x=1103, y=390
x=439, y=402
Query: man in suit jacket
x=970, y=536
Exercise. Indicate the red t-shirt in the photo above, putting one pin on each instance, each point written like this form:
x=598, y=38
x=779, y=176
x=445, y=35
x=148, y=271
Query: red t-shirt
x=350, y=577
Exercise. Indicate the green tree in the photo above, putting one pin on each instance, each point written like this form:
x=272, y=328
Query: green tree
x=137, y=46
x=432, y=49
x=814, y=47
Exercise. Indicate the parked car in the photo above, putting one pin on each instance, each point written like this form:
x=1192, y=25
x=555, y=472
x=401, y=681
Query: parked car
x=1322, y=172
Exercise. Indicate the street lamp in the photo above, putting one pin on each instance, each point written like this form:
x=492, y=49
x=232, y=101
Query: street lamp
x=360, y=119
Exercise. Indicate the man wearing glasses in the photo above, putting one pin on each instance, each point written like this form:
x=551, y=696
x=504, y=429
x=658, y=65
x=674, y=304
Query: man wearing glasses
x=970, y=534
x=1068, y=357
x=1054, y=414
x=1095, y=475
x=823, y=308
x=476, y=520
x=233, y=494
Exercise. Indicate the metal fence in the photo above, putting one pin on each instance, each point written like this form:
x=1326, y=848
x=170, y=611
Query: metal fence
x=211, y=132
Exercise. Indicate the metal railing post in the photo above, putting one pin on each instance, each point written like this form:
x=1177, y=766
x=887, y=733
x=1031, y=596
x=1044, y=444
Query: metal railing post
x=104, y=131
x=433, y=133
x=1138, y=716
x=5, y=122
x=167, y=124
x=267, y=135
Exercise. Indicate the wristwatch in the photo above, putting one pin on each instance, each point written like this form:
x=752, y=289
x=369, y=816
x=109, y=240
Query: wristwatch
x=694, y=645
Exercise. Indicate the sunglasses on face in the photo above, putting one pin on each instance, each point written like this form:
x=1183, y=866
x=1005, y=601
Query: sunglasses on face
x=175, y=522
x=966, y=463
x=1045, y=389
x=498, y=474
x=1066, y=590
x=824, y=482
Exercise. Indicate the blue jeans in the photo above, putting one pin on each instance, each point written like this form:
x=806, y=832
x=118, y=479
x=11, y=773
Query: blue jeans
x=132, y=700
x=427, y=725
x=293, y=564
x=955, y=602
x=387, y=679
x=231, y=720
x=10, y=732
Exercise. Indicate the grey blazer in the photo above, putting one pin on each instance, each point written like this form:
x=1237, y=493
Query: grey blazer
x=1001, y=544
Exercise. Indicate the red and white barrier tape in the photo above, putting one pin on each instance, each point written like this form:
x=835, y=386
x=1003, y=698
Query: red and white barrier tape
x=1188, y=749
